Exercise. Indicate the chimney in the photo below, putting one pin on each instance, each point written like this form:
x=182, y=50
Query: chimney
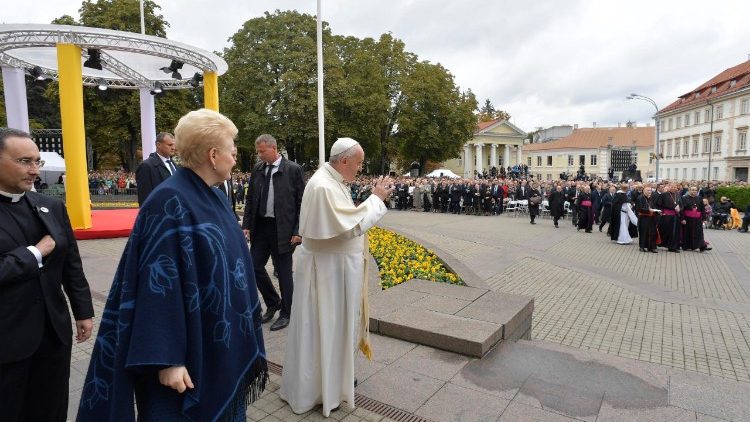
x=594, y=125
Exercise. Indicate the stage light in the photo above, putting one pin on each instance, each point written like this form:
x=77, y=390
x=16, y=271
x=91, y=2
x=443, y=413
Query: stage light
x=95, y=59
x=174, y=68
x=196, y=80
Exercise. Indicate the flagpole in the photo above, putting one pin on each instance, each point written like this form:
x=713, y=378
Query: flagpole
x=143, y=21
x=321, y=110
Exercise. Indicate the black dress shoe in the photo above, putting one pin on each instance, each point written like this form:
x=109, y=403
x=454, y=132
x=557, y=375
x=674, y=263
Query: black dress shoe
x=674, y=250
x=652, y=250
x=269, y=314
x=642, y=249
x=280, y=323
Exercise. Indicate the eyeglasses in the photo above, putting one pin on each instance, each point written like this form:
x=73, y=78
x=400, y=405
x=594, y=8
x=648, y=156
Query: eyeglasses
x=28, y=162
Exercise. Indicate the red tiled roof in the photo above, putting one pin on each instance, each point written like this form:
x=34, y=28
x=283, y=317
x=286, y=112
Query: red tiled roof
x=590, y=138
x=740, y=74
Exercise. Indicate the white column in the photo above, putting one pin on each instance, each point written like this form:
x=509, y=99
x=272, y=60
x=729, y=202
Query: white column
x=16, y=108
x=467, y=157
x=480, y=159
x=493, y=155
x=506, y=157
x=518, y=154
x=148, y=123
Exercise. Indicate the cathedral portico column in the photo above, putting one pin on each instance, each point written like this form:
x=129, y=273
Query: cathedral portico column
x=506, y=156
x=493, y=155
x=480, y=159
x=467, y=160
x=518, y=154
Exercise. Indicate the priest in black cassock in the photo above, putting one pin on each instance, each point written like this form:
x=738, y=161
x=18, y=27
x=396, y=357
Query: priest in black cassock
x=585, y=209
x=39, y=260
x=667, y=202
x=557, y=204
x=646, y=221
x=691, y=220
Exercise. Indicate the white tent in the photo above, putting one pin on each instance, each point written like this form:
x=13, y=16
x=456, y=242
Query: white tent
x=442, y=173
x=54, y=165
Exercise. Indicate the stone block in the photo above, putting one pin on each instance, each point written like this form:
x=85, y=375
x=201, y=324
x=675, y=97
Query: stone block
x=444, y=289
x=446, y=305
x=506, y=309
x=447, y=332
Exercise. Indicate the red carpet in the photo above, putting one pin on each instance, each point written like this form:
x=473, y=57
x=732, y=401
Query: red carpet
x=107, y=224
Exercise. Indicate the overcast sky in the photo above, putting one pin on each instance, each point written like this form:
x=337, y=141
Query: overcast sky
x=546, y=62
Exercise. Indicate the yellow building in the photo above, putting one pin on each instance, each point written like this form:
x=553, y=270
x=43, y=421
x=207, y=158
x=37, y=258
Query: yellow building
x=495, y=143
x=597, y=149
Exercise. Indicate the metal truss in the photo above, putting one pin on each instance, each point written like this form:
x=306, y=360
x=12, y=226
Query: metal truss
x=29, y=36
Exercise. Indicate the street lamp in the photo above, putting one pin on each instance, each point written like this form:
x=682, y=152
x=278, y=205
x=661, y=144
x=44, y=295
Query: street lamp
x=656, y=119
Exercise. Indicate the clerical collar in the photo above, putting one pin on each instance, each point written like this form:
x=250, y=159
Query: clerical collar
x=11, y=197
x=336, y=175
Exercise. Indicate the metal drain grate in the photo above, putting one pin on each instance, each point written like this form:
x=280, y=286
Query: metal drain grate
x=367, y=403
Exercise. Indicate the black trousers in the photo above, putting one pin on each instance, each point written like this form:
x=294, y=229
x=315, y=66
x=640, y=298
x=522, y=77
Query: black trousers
x=36, y=388
x=265, y=245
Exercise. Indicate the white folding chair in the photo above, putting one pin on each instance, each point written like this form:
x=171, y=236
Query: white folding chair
x=511, y=207
x=523, y=207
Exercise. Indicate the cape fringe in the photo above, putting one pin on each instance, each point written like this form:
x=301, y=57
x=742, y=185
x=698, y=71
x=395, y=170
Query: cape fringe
x=250, y=389
x=364, y=322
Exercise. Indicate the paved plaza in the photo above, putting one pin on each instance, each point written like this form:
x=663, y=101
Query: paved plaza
x=617, y=334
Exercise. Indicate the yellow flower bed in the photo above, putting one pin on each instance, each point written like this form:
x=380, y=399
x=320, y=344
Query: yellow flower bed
x=400, y=259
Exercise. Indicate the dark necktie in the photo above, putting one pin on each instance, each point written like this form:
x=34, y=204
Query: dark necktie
x=264, y=192
x=172, y=168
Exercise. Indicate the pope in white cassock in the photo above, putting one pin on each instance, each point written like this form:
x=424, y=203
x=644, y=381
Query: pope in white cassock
x=325, y=323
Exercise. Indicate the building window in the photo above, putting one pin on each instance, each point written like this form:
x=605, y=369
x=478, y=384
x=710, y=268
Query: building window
x=549, y=176
x=715, y=173
x=593, y=159
x=669, y=173
x=686, y=147
x=669, y=124
x=745, y=106
x=719, y=112
x=539, y=161
x=687, y=119
x=684, y=174
x=706, y=144
x=717, y=143
x=697, y=117
x=581, y=160
x=570, y=160
x=704, y=173
x=707, y=115
x=549, y=161
x=696, y=147
x=669, y=148
x=676, y=148
x=528, y=161
x=742, y=142
x=661, y=124
x=679, y=122
x=694, y=173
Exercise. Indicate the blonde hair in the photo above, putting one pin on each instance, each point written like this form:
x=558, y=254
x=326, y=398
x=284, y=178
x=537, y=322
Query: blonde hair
x=199, y=131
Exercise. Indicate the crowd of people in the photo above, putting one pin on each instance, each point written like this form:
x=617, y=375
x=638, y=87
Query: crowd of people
x=669, y=214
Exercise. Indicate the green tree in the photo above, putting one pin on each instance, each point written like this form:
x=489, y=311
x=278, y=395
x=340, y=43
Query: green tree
x=437, y=118
x=271, y=84
x=488, y=112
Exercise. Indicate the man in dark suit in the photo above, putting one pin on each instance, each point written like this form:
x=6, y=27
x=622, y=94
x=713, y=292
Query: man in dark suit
x=157, y=167
x=271, y=223
x=227, y=188
x=38, y=259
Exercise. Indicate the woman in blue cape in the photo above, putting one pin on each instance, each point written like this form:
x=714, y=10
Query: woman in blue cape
x=181, y=329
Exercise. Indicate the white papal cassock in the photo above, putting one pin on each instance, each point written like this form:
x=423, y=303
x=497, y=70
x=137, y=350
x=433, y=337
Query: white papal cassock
x=328, y=278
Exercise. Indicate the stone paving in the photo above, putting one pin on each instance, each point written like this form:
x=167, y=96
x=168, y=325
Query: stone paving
x=617, y=334
x=577, y=303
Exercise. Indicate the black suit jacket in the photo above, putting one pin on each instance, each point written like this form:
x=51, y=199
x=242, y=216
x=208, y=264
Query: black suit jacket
x=149, y=174
x=288, y=187
x=26, y=290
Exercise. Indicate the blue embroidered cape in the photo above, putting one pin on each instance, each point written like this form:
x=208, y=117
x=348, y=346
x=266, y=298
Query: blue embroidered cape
x=184, y=294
